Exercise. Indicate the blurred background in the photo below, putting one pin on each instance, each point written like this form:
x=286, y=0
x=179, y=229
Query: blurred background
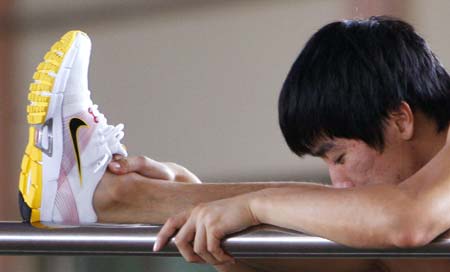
x=196, y=82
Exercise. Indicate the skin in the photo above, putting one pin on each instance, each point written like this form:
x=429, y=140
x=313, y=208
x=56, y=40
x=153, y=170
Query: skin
x=376, y=197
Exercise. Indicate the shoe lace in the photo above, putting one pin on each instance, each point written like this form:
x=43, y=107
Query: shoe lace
x=109, y=135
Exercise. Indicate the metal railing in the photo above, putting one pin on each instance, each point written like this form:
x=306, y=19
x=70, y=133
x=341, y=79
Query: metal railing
x=263, y=241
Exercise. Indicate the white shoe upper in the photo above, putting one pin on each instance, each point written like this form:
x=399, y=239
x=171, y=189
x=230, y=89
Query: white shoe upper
x=84, y=143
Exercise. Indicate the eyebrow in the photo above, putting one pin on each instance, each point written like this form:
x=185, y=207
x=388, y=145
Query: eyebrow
x=323, y=149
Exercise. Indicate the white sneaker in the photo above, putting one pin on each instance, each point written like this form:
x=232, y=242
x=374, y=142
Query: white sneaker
x=70, y=143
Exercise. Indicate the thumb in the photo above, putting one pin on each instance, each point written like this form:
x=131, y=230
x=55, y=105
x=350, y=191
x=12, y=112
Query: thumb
x=142, y=165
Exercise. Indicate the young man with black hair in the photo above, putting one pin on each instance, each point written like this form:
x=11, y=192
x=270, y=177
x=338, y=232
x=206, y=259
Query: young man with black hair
x=367, y=96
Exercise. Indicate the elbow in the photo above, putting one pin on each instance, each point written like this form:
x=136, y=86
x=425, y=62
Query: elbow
x=409, y=222
x=410, y=230
x=409, y=237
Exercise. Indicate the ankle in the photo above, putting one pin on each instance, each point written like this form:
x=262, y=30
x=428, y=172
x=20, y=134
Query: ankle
x=110, y=194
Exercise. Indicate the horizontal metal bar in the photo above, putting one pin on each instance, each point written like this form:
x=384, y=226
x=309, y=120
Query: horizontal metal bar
x=263, y=241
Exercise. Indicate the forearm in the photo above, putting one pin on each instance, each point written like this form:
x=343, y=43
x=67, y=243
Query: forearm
x=206, y=192
x=179, y=197
x=133, y=198
x=409, y=214
x=358, y=217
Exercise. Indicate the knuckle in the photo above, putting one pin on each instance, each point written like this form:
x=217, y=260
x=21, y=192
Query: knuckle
x=208, y=220
x=199, y=209
x=201, y=206
x=214, y=250
x=215, y=232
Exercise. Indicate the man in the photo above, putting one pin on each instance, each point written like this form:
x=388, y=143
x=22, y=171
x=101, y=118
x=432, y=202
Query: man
x=367, y=96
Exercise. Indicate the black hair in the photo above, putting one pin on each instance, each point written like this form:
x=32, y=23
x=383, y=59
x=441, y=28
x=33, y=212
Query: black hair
x=351, y=74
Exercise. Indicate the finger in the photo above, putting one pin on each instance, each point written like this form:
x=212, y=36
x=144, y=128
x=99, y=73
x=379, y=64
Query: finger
x=182, y=174
x=200, y=245
x=183, y=241
x=168, y=230
x=213, y=246
x=144, y=166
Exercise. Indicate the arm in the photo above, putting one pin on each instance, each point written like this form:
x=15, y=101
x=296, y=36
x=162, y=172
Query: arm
x=409, y=214
x=406, y=215
x=375, y=216
x=140, y=190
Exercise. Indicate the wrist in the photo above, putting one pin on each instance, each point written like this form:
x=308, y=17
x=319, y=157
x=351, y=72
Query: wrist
x=257, y=203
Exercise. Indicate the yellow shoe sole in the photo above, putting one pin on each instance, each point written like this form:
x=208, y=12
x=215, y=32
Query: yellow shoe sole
x=31, y=175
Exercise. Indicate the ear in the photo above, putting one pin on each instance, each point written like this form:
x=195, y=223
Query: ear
x=403, y=120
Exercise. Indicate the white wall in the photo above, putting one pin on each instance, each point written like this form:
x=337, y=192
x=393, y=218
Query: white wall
x=197, y=86
x=431, y=20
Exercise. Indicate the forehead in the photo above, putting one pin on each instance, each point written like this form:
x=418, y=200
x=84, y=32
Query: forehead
x=323, y=146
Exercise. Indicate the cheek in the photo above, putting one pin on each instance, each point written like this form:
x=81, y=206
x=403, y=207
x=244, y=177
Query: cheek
x=362, y=169
x=388, y=169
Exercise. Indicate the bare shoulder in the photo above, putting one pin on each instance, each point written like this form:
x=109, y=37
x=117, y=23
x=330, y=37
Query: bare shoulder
x=317, y=265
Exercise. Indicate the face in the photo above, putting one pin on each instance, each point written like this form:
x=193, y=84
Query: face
x=410, y=142
x=354, y=163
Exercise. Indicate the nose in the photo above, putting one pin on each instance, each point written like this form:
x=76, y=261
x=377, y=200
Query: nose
x=339, y=178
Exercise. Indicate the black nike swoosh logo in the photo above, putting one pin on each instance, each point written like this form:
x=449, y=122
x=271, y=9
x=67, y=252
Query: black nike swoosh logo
x=74, y=125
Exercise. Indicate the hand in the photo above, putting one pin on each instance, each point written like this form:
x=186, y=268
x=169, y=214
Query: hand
x=202, y=228
x=151, y=169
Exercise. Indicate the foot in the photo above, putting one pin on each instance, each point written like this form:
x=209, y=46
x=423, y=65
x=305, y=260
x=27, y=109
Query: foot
x=70, y=143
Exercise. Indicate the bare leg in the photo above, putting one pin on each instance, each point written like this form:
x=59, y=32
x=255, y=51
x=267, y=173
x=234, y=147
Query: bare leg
x=133, y=198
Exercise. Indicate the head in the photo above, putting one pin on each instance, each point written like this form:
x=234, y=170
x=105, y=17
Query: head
x=370, y=98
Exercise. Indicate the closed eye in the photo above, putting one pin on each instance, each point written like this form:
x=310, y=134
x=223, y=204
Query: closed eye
x=340, y=159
